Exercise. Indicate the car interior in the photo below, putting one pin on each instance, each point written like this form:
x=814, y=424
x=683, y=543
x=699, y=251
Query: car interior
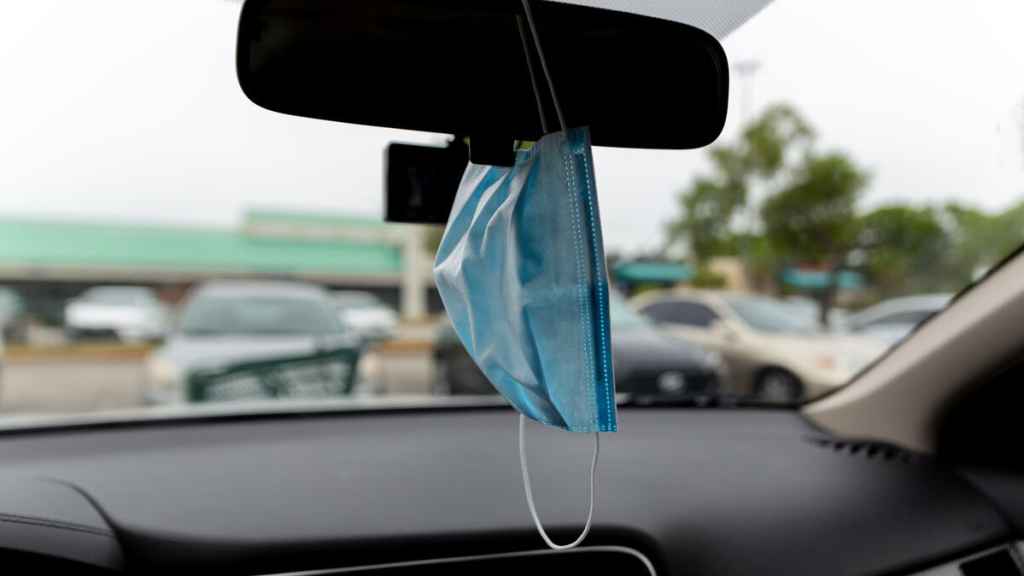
x=910, y=467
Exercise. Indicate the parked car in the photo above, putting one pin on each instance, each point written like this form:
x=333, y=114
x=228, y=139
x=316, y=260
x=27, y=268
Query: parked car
x=892, y=320
x=365, y=315
x=770, y=352
x=127, y=313
x=239, y=340
x=13, y=316
x=810, y=311
x=648, y=364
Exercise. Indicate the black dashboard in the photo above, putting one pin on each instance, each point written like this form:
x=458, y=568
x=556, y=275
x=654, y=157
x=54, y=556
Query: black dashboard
x=692, y=491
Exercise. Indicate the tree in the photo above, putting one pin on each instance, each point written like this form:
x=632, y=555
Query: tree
x=981, y=240
x=710, y=204
x=905, y=250
x=812, y=218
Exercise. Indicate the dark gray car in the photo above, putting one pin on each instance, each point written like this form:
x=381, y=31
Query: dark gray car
x=239, y=340
x=647, y=364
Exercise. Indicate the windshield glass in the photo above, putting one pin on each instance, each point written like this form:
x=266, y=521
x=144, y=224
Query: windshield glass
x=623, y=316
x=356, y=300
x=771, y=315
x=256, y=316
x=866, y=158
x=126, y=296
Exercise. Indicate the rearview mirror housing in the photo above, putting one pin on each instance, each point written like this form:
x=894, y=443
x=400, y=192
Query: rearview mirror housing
x=460, y=67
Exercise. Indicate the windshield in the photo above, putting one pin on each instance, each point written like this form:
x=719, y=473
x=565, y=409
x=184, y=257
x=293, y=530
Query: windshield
x=623, y=316
x=771, y=315
x=123, y=296
x=866, y=158
x=256, y=316
x=356, y=300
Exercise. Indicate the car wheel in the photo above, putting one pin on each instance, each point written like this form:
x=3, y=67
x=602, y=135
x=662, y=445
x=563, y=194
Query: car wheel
x=778, y=386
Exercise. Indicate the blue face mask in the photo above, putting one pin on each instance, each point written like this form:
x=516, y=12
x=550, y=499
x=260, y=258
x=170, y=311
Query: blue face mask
x=521, y=272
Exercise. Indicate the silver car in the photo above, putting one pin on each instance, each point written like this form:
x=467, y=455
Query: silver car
x=892, y=320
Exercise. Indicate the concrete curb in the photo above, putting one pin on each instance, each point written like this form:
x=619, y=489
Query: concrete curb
x=78, y=352
x=114, y=352
x=402, y=347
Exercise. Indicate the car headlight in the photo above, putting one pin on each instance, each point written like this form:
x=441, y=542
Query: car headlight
x=713, y=359
x=166, y=380
x=840, y=363
x=826, y=362
x=369, y=378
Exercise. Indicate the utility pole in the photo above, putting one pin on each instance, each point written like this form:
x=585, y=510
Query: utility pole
x=745, y=71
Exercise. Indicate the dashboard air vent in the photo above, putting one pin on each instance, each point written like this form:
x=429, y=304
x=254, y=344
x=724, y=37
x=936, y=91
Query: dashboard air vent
x=866, y=449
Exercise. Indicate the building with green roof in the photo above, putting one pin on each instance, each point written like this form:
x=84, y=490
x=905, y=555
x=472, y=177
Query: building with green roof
x=337, y=250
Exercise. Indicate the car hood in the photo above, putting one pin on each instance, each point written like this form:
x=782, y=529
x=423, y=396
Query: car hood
x=360, y=317
x=205, y=352
x=854, y=351
x=645, y=349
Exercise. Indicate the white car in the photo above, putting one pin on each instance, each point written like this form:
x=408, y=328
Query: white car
x=770, y=351
x=128, y=313
x=365, y=315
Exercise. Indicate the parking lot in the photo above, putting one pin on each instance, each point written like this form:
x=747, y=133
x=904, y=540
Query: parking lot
x=109, y=377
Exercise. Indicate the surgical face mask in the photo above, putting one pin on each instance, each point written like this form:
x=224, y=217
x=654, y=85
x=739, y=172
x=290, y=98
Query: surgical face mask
x=522, y=275
x=521, y=272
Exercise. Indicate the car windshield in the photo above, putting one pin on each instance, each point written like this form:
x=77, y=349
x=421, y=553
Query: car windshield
x=356, y=300
x=256, y=316
x=769, y=315
x=116, y=296
x=152, y=214
x=623, y=317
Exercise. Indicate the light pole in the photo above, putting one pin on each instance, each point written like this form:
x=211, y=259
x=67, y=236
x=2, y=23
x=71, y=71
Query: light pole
x=745, y=70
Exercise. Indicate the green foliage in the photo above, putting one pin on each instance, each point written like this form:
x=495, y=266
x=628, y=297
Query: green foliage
x=982, y=240
x=812, y=218
x=710, y=204
x=906, y=250
x=705, y=278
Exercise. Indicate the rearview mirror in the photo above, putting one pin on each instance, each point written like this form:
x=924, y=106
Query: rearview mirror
x=461, y=67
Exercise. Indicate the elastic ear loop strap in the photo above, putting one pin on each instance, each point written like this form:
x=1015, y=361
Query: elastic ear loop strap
x=529, y=491
x=522, y=418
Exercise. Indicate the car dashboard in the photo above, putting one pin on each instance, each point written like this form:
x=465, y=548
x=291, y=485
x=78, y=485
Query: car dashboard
x=680, y=491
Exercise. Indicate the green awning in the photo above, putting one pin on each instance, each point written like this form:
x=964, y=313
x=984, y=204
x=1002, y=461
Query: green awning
x=652, y=272
x=820, y=279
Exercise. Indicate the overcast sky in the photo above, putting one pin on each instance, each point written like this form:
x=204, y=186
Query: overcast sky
x=129, y=110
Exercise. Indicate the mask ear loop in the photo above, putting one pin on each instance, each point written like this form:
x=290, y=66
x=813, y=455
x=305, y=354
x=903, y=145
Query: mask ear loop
x=529, y=491
x=544, y=67
x=522, y=418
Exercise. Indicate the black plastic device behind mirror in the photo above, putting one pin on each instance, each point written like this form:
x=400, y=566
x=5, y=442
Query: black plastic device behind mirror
x=458, y=67
x=421, y=181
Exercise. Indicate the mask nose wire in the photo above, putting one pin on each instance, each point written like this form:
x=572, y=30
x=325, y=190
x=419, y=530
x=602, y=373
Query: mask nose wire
x=529, y=491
